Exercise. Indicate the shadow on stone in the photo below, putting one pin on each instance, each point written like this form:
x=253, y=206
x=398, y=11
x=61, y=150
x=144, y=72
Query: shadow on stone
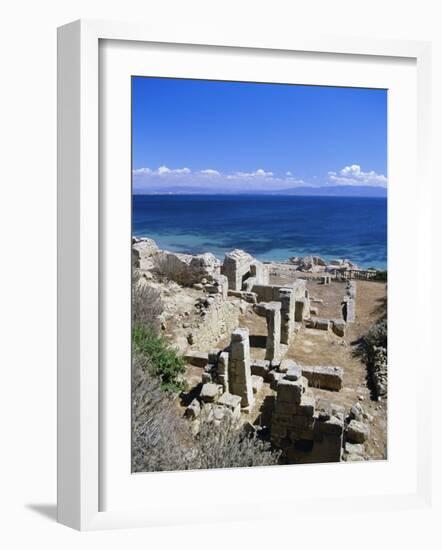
x=258, y=341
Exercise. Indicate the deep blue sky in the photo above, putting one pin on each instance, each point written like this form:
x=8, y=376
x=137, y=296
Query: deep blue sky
x=294, y=135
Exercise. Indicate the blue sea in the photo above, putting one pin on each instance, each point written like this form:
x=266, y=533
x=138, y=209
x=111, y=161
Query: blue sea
x=268, y=227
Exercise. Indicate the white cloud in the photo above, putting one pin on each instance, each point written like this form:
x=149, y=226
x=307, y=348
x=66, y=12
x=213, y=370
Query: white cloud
x=260, y=173
x=165, y=170
x=288, y=173
x=138, y=171
x=210, y=172
x=146, y=179
x=353, y=175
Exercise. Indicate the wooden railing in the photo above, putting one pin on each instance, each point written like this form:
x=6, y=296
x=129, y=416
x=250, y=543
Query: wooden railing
x=361, y=274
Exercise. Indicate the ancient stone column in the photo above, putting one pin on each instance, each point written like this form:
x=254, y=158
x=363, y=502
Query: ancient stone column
x=239, y=373
x=273, y=317
x=287, y=314
x=349, y=311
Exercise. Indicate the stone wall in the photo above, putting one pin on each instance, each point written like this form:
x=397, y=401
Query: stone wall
x=303, y=431
x=187, y=269
x=221, y=318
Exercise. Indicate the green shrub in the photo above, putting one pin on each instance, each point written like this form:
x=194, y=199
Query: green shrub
x=164, y=361
x=376, y=337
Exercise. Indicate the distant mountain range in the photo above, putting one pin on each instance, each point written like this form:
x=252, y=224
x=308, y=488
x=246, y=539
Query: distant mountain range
x=337, y=191
x=326, y=191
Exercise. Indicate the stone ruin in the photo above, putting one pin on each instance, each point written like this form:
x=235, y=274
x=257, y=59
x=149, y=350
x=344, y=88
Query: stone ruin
x=305, y=428
x=305, y=431
x=243, y=271
x=349, y=303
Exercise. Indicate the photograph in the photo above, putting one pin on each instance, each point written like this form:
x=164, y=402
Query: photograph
x=259, y=274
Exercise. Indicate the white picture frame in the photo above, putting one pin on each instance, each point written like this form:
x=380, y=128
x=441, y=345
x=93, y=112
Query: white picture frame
x=80, y=271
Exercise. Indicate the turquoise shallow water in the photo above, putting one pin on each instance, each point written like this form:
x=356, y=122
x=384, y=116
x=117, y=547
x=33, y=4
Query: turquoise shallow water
x=268, y=227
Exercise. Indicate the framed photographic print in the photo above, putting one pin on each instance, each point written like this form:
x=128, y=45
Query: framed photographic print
x=232, y=220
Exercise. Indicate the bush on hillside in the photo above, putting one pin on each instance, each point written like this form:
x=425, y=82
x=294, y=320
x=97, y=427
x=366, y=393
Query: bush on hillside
x=227, y=446
x=146, y=304
x=163, y=360
x=162, y=440
x=159, y=433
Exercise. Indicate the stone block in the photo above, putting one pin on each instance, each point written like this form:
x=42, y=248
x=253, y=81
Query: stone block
x=187, y=269
x=223, y=363
x=236, y=267
x=326, y=378
x=196, y=358
x=274, y=378
x=286, y=297
x=232, y=403
x=293, y=373
x=306, y=406
x=303, y=422
x=290, y=391
x=327, y=449
x=278, y=431
x=322, y=324
x=209, y=392
x=239, y=372
x=229, y=400
x=286, y=408
x=338, y=327
x=259, y=272
x=248, y=285
x=357, y=432
x=332, y=426
x=349, y=310
x=273, y=317
x=213, y=356
x=285, y=364
x=357, y=412
x=260, y=367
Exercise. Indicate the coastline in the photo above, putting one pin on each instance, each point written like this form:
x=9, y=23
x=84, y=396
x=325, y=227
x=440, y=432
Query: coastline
x=179, y=244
